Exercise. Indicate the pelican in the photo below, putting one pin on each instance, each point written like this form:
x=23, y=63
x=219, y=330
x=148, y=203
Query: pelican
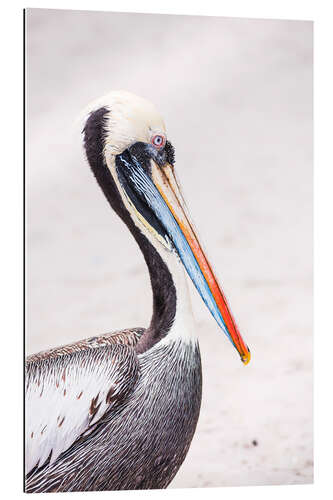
x=118, y=411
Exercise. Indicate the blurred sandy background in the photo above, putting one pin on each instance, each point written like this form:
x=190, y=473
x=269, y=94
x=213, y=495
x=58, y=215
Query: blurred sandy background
x=236, y=96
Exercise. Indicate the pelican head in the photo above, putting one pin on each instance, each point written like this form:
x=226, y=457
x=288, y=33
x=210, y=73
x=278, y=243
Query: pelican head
x=128, y=149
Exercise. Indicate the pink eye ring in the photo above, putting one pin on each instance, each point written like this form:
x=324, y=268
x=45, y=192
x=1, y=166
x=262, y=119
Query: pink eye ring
x=158, y=141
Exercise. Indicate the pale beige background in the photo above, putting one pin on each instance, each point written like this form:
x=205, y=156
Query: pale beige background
x=237, y=99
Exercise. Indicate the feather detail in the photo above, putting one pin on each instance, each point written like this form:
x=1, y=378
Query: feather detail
x=68, y=393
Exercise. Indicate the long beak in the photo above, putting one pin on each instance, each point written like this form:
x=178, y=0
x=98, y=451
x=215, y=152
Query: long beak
x=161, y=192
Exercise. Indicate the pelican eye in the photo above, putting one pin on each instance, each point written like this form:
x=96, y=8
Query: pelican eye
x=158, y=141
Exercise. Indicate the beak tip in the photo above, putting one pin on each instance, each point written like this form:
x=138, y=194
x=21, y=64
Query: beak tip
x=246, y=358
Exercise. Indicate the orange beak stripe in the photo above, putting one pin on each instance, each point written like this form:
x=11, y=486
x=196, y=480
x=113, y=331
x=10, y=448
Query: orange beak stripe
x=167, y=179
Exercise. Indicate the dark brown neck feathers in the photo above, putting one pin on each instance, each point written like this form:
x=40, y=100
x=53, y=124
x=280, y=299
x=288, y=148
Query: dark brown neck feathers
x=164, y=292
